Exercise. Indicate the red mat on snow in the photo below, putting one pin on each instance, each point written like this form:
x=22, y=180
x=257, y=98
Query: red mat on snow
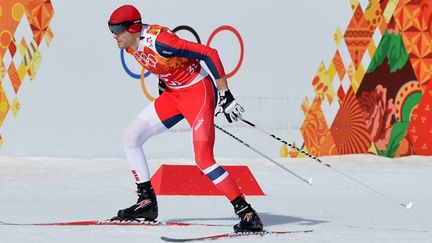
x=189, y=180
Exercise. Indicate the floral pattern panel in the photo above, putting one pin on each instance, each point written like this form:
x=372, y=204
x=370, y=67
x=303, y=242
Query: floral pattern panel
x=383, y=94
x=385, y=107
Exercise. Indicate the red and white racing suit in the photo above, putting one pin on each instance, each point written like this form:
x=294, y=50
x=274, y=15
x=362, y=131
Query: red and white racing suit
x=191, y=94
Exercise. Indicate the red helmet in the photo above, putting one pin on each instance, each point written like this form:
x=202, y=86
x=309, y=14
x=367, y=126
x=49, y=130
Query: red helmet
x=126, y=17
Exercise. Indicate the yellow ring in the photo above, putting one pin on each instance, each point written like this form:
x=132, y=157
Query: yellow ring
x=144, y=88
x=17, y=11
x=2, y=45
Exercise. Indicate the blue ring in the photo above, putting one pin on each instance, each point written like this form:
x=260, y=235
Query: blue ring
x=128, y=71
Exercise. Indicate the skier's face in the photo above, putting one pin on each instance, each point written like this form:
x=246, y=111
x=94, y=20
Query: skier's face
x=124, y=39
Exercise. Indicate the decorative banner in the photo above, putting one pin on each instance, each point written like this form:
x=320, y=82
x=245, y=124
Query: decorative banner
x=414, y=19
x=386, y=108
x=316, y=132
x=25, y=55
x=349, y=129
x=382, y=93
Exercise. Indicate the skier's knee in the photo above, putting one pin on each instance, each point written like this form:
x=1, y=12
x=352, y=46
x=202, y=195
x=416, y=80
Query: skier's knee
x=133, y=138
x=204, y=156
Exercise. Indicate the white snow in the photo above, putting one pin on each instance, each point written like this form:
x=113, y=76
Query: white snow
x=39, y=190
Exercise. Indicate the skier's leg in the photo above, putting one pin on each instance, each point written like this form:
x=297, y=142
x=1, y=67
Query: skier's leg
x=201, y=119
x=154, y=119
x=197, y=104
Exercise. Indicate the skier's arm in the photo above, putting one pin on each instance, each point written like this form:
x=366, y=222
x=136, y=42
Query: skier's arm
x=169, y=45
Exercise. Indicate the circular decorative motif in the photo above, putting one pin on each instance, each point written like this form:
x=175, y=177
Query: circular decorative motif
x=17, y=11
x=5, y=38
x=407, y=98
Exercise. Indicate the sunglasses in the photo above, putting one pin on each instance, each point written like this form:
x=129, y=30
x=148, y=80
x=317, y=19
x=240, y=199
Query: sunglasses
x=122, y=27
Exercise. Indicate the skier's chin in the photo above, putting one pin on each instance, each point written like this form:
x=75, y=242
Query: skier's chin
x=121, y=45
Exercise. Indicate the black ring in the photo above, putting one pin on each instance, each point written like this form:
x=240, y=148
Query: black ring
x=188, y=28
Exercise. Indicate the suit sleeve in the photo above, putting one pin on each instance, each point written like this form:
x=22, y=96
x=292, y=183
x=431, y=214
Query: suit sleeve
x=170, y=45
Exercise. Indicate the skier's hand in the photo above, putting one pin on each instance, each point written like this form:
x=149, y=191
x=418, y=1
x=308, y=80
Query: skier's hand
x=229, y=106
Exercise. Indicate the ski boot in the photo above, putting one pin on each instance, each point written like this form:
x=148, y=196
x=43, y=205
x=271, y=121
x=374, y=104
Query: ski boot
x=249, y=219
x=146, y=207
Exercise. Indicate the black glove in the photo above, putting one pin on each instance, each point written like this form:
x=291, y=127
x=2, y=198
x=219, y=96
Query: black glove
x=161, y=86
x=229, y=106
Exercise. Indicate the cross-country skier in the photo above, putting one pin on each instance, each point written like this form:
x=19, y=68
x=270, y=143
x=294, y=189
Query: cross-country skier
x=190, y=93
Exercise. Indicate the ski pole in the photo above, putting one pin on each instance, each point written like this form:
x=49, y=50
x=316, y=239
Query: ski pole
x=407, y=206
x=282, y=141
x=308, y=181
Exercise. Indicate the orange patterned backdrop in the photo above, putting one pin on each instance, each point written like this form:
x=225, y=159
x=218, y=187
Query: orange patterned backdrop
x=20, y=57
x=381, y=88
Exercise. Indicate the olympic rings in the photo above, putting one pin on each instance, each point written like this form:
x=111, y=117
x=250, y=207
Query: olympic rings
x=145, y=74
x=143, y=87
x=237, y=34
x=128, y=71
x=188, y=28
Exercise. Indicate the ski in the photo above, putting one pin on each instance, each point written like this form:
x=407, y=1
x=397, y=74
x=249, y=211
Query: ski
x=109, y=222
x=233, y=235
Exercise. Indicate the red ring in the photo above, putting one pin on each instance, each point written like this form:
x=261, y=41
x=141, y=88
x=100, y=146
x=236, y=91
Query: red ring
x=237, y=34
